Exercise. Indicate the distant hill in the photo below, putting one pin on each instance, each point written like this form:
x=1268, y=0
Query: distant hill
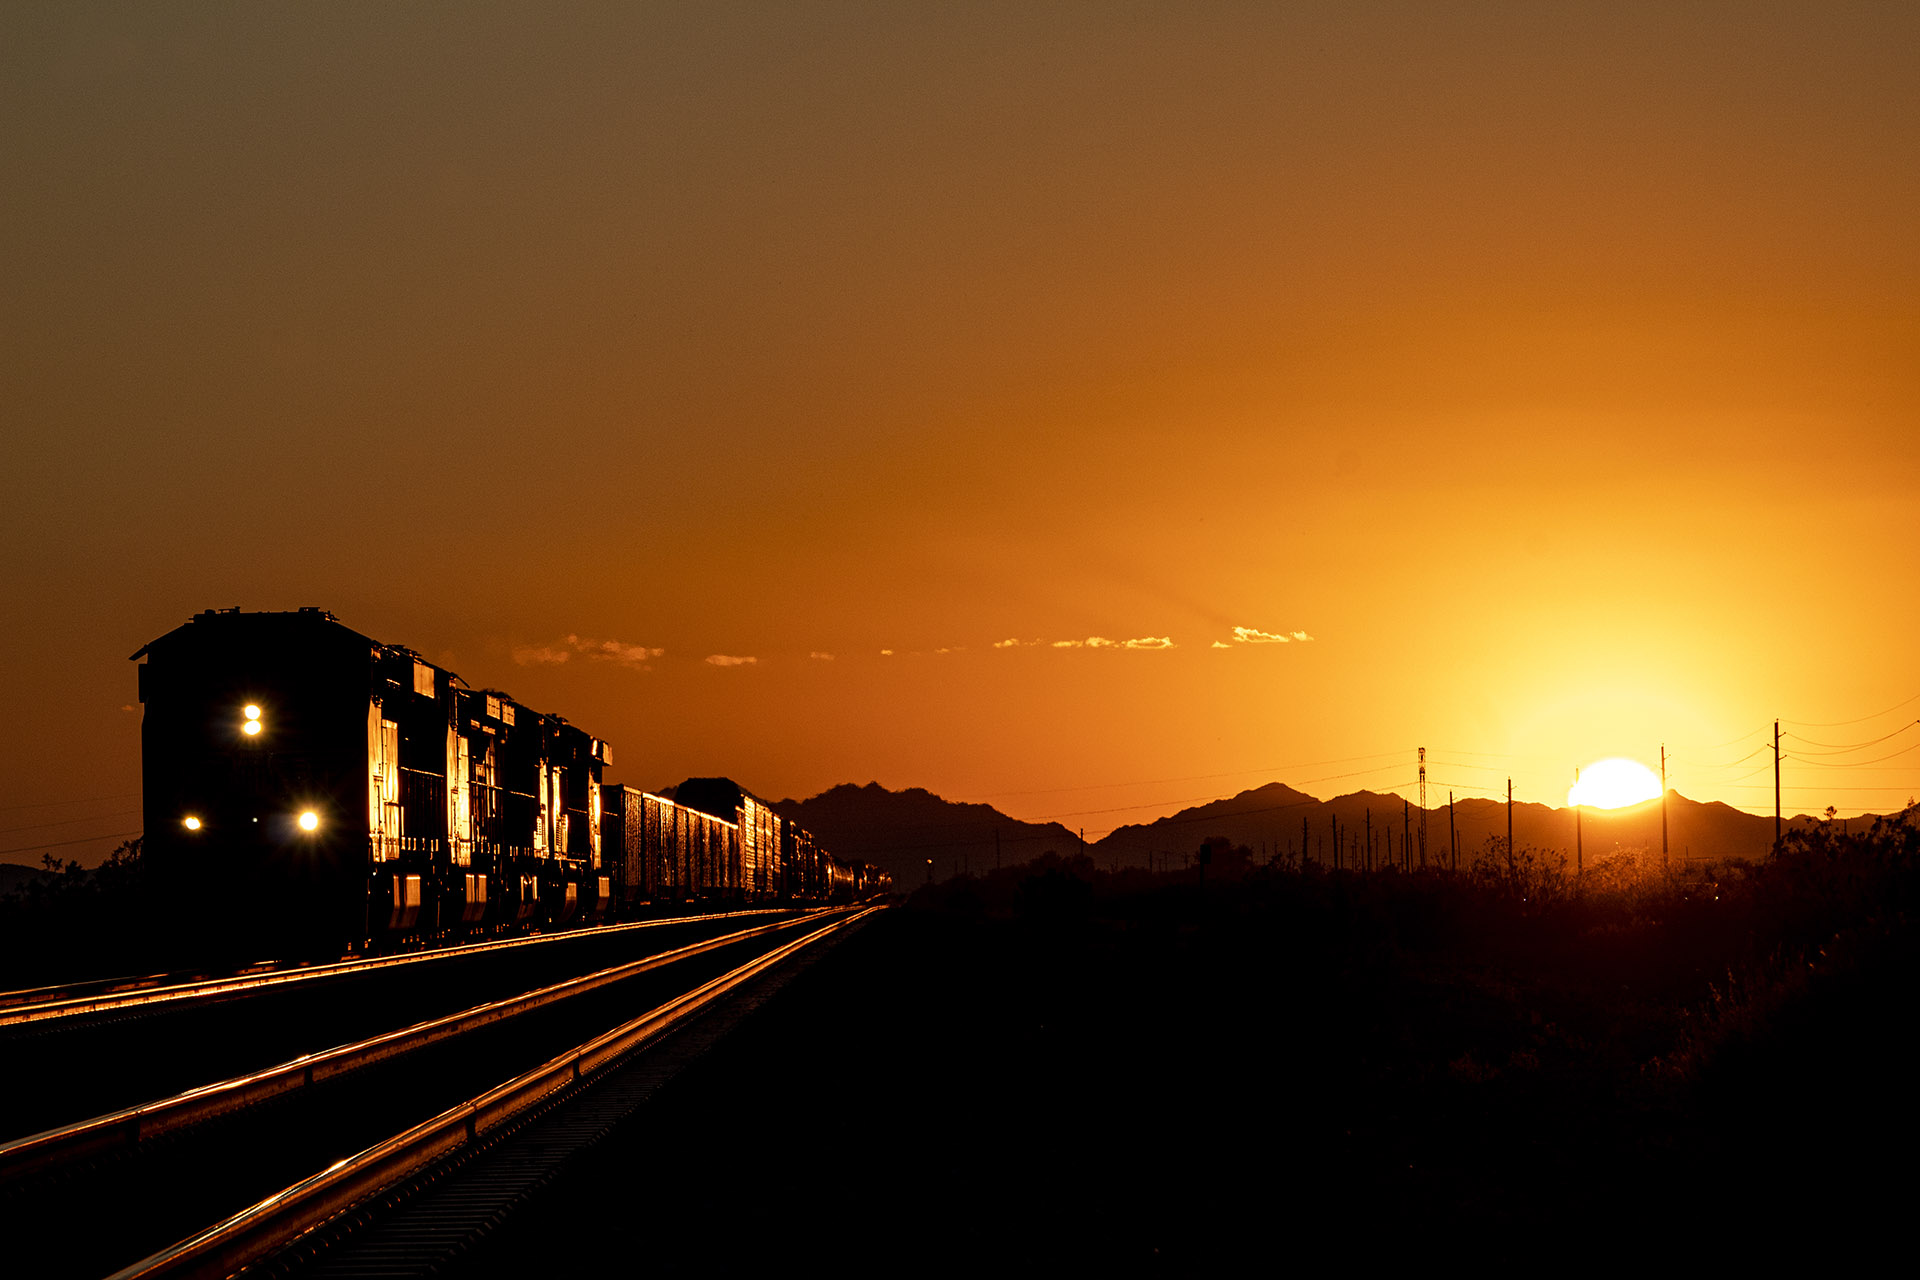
x=1278, y=819
x=17, y=875
x=1264, y=819
x=900, y=830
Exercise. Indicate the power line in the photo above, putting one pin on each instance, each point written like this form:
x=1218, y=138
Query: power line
x=61, y=844
x=1839, y=750
x=1078, y=813
x=1743, y=777
x=67, y=822
x=1128, y=808
x=1196, y=777
x=1731, y=764
x=55, y=804
x=1734, y=742
x=1809, y=786
x=1855, y=764
x=1837, y=724
x=1242, y=813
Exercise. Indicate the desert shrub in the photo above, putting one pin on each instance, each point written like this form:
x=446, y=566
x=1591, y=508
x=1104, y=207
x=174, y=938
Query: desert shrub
x=76, y=922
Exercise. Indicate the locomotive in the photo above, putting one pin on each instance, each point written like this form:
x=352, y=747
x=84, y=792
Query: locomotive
x=310, y=788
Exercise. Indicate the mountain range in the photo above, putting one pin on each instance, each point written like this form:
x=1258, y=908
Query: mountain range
x=916, y=834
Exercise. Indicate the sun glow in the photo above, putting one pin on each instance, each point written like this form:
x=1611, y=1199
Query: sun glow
x=1613, y=784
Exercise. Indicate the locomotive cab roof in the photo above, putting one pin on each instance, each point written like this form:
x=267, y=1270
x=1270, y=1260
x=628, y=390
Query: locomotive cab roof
x=233, y=626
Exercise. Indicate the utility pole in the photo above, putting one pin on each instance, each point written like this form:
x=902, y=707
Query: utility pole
x=1663, y=808
x=1509, y=828
x=1406, y=835
x=1369, y=838
x=1776, y=786
x=1453, y=834
x=1333, y=823
x=1579, y=851
x=1423, y=808
x=1303, y=842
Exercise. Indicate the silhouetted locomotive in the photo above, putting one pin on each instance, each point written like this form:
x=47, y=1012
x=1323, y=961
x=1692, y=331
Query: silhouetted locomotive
x=314, y=788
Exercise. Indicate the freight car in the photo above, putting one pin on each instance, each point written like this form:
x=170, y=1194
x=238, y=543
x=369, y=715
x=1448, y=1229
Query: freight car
x=308, y=788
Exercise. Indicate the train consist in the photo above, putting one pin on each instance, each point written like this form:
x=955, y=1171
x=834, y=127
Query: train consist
x=319, y=789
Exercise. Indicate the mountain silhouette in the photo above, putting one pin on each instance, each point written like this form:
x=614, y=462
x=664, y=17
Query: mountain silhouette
x=900, y=831
x=1276, y=819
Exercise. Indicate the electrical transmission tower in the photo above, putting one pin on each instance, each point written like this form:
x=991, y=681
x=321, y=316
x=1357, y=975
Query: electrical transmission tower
x=1423, y=806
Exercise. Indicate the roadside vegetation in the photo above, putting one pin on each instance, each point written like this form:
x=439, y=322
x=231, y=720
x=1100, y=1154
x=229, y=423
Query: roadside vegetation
x=1512, y=1044
x=73, y=923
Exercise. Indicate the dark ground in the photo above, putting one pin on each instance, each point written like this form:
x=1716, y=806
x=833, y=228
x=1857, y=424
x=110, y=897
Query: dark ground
x=1288, y=1069
x=1056, y=1067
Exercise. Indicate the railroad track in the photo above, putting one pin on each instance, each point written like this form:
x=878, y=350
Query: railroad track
x=57, y=1070
x=243, y=1151
x=120, y=995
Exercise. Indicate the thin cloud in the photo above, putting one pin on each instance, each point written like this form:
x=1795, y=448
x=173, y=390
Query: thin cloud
x=1220, y=644
x=1253, y=635
x=820, y=657
x=1301, y=635
x=886, y=653
x=1100, y=642
x=729, y=660
x=627, y=655
x=1013, y=642
x=544, y=655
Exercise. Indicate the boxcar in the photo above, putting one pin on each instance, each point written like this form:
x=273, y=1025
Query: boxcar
x=758, y=871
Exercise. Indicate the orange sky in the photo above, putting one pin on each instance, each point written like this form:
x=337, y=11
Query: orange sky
x=1553, y=367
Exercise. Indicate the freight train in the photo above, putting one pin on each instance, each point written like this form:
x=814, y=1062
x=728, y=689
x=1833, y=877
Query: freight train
x=308, y=788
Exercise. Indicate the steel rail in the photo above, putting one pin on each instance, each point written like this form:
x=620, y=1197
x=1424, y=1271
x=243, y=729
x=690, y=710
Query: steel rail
x=244, y=982
x=73, y=990
x=132, y=1126
x=264, y=1228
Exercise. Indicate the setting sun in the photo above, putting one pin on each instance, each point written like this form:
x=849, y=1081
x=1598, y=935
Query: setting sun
x=1614, y=784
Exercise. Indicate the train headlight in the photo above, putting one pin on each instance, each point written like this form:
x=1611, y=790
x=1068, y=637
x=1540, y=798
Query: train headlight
x=190, y=822
x=309, y=820
x=251, y=726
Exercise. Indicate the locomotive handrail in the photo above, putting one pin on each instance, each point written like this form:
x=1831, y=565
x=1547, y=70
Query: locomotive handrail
x=264, y=1228
x=74, y=1005
x=133, y=1125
